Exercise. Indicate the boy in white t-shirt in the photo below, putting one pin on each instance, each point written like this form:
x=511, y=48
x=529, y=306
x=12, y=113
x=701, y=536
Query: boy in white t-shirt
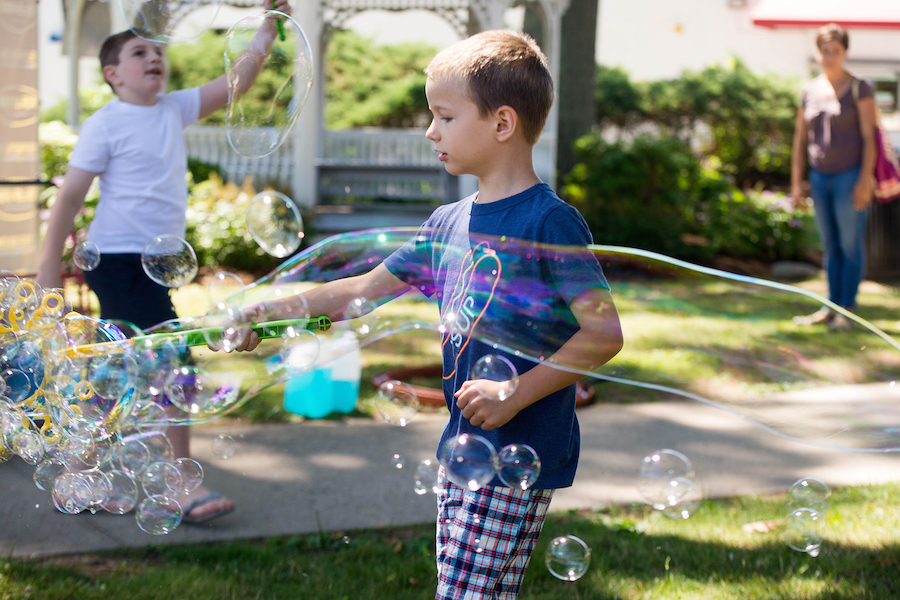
x=135, y=144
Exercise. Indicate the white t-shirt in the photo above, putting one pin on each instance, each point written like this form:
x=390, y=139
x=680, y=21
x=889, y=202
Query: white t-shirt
x=140, y=154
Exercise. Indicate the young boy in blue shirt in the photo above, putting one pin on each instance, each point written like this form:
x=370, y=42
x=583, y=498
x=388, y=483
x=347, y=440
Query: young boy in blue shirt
x=490, y=95
x=135, y=145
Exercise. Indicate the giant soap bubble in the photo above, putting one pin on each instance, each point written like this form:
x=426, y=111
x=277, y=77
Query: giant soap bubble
x=96, y=400
x=164, y=22
x=287, y=65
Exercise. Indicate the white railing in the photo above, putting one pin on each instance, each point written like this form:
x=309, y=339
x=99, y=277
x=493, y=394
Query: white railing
x=210, y=145
x=396, y=155
x=378, y=147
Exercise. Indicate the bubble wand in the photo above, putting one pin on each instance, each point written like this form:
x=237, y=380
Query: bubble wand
x=198, y=337
x=279, y=23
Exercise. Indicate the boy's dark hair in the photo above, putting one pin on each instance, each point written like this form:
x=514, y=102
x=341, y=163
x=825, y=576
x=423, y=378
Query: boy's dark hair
x=832, y=33
x=501, y=68
x=112, y=48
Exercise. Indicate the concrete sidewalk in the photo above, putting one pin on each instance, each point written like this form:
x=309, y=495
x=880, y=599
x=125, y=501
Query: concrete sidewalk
x=339, y=475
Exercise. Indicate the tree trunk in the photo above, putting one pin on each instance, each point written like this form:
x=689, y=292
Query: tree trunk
x=576, y=79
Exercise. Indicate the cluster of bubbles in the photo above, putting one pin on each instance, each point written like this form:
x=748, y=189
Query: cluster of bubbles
x=807, y=502
x=471, y=462
x=666, y=483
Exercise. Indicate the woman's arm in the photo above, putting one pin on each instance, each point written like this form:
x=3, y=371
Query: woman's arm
x=798, y=160
x=864, y=188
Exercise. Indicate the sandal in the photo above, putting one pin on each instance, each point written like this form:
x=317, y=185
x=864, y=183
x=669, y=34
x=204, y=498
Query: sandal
x=186, y=511
x=823, y=316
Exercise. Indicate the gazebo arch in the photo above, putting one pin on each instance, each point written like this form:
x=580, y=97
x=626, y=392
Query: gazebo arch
x=84, y=19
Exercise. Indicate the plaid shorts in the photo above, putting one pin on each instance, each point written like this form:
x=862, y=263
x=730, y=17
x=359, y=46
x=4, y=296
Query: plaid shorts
x=485, y=540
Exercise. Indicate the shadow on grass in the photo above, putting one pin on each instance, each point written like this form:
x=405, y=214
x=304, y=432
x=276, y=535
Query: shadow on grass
x=627, y=562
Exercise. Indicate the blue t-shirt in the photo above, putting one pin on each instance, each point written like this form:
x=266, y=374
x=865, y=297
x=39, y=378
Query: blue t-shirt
x=507, y=271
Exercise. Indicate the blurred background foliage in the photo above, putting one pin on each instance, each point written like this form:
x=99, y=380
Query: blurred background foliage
x=694, y=167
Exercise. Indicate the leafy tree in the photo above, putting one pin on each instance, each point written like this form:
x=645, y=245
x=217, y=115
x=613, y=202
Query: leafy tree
x=745, y=120
x=375, y=86
x=617, y=101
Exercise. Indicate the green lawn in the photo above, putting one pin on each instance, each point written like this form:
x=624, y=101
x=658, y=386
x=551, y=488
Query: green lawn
x=636, y=554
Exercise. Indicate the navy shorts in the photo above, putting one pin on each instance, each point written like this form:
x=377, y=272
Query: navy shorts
x=127, y=294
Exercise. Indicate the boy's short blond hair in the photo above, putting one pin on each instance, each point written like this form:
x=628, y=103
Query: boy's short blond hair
x=501, y=68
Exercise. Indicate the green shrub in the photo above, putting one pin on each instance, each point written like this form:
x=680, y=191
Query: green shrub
x=375, y=86
x=741, y=120
x=217, y=227
x=655, y=194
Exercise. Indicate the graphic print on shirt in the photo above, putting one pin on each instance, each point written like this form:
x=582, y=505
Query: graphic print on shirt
x=464, y=310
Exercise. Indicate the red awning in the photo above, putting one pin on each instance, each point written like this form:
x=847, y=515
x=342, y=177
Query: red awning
x=880, y=14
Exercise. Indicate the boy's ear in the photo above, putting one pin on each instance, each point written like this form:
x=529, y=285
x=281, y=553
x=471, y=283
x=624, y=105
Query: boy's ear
x=506, y=121
x=109, y=74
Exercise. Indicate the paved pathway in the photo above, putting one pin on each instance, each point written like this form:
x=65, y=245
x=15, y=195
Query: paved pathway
x=339, y=476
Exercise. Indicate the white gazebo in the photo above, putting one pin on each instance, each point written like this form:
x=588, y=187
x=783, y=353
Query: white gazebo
x=311, y=150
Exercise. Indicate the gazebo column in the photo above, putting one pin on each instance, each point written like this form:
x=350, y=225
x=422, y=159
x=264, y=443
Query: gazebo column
x=309, y=127
x=72, y=41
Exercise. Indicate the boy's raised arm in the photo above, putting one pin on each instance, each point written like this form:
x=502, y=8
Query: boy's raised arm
x=69, y=201
x=214, y=94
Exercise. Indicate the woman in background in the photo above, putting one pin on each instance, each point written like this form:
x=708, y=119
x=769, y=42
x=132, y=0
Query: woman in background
x=835, y=133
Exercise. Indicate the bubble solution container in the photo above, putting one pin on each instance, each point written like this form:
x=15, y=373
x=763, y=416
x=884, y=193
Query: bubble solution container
x=332, y=385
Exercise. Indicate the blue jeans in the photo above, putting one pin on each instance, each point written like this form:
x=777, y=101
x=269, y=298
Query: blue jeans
x=843, y=232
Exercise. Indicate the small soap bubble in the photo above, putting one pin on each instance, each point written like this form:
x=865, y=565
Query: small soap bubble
x=71, y=493
x=567, y=558
x=810, y=493
x=801, y=531
x=28, y=445
x=191, y=474
x=158, y=515
x=169, y=261
x=86, y=255
x=396, y=402
x=100, y=488
x=362, y=316
x=197, y=391
x=224, y=446
x=470, y=461
x=161, y=478
x=664, y=475
x=426, y=477
x=223, y=290
x=226, y=329
x=47, y=472
x=275, y=223
x=478, y=544
x=123, y=493
x=518, y=466
x=499, y=370
x=398, y=461
x=684, y=499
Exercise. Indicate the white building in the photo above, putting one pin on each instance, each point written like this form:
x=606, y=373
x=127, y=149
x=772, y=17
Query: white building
x=658, y=39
